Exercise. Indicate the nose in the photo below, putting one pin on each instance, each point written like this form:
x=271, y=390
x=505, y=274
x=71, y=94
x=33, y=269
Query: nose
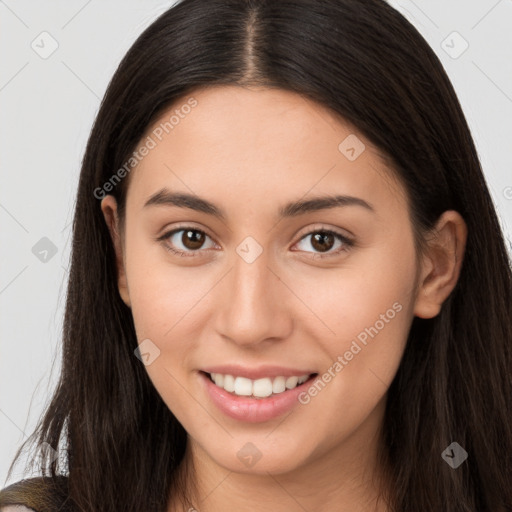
x=254, y=304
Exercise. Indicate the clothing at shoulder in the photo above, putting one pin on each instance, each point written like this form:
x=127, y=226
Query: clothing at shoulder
x=16, y=508
x=37, y=494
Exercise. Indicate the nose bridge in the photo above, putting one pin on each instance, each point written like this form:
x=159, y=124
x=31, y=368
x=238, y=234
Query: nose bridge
x=252, y=305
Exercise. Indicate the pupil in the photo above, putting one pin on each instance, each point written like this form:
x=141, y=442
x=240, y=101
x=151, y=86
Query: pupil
x=192, y=239
x=319, y=240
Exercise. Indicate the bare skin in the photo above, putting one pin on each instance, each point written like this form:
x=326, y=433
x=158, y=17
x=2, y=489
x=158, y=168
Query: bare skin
x=251, y=151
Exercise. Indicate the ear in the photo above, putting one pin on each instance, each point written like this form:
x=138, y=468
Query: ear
x=441, y=264
x=109, y=209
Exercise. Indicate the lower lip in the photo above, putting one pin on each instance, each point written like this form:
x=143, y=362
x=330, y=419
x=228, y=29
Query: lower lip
x=253, y=410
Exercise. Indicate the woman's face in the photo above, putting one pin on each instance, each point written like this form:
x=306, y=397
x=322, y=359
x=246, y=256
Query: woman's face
x=260, y=292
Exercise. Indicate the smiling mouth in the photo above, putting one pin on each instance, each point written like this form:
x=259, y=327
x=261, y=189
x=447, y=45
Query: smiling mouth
x=258, y=388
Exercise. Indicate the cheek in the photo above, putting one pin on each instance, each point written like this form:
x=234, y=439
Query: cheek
x=167, y=305
x=363, y=314
x=369, y=312
x=162, y=306
x=161, y=294
x=348, y=299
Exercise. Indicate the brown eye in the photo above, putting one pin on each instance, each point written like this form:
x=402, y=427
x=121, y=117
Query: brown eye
x=322, y=241
x=187, y=241
x=192, y=239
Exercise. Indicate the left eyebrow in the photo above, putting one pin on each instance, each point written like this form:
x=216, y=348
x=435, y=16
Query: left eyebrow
x=296, y=208
x=292, y=209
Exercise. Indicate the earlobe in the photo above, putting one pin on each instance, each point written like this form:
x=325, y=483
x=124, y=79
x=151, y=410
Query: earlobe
x=109, y=209
x=442, y=263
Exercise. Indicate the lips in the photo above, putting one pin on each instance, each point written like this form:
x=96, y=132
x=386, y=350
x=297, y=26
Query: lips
x=250, y=408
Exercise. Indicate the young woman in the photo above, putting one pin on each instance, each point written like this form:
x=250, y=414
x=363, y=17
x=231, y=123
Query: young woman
x=289, y=289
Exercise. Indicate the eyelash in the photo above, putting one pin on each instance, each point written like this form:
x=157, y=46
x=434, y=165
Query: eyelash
x=347, y=243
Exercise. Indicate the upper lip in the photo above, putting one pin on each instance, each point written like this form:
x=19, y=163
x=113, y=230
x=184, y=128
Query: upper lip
x=259, y=372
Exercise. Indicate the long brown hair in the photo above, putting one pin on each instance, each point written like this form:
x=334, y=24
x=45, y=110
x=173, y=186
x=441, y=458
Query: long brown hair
x=367, y=63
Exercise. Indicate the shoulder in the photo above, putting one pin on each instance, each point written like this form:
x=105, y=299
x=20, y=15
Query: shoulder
x=36, y=494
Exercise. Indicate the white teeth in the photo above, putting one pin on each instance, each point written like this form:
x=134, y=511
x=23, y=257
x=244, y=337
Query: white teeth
x=243, y=386
x=219, y=379
x=279, y=385
x=259, y=388
x=229, y=383
x=291, y=382
x=262, y=388
x=302, y=379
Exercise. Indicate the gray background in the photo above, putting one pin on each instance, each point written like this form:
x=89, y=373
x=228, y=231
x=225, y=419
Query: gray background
x=48, y=103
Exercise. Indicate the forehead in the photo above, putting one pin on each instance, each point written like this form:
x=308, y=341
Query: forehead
x=256, y=143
